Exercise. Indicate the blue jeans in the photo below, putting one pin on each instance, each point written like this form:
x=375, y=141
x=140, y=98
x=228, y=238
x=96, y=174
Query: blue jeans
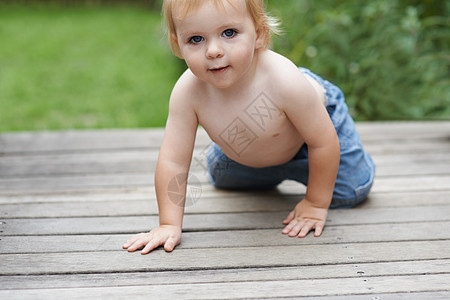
x=356, y=168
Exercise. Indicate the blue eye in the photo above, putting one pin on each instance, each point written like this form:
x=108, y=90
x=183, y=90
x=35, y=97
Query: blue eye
x=229, y=33
x=195, y=39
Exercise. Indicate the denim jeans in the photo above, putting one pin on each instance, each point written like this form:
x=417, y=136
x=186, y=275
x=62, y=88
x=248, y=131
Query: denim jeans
x=356, y=168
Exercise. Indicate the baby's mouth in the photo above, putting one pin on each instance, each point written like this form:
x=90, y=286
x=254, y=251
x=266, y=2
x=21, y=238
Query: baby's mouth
x=219, y=69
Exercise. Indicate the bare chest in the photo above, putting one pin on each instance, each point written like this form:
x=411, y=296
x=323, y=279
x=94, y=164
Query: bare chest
x=255, y=132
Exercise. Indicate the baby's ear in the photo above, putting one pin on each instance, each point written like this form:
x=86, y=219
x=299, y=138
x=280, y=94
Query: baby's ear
x=260, y=38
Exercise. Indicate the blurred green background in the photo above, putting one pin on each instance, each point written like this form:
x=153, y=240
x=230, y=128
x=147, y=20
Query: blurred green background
x=72, y=64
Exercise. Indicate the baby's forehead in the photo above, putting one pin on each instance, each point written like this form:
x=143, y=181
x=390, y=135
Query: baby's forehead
x=185, y=8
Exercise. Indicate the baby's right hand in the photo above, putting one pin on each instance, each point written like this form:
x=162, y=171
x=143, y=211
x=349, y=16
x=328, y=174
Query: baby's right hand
x=167, y=235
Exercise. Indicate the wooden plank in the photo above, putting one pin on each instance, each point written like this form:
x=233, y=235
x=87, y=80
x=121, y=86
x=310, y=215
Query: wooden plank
x=402, y=199
x=440, y=295
x=138, y=138
x=151, y=154
x=405, y=170
x=56, y=165
x=410, y=158
x=209, y=202
x=83, y=163
x=142, y=193
x=218, y=258
x=413, y=183
x=393, y=185
x=73, y=183
x=439, y=146
x=363, y=270
x=136, y=193
x=260, y=289
x=377, y=149
x=211, y=222
x=401, y=129
x=237, y=238
x=131, y=162
x=68, y=141
x=63, y=141
x=101, y=140
x=77, y=183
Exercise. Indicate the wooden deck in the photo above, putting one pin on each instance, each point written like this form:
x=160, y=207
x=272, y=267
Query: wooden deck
x=69, y=200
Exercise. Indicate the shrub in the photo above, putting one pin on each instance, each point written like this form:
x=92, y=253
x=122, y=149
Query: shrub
x=390, y=57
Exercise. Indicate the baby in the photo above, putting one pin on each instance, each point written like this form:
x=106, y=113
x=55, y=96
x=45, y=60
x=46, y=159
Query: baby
x=268, y=119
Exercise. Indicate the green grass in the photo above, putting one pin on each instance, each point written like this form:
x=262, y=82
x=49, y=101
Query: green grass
x=79, y=68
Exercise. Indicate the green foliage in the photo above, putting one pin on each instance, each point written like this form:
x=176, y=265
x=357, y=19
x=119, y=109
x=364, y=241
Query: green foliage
x=81, y=67
x=94, y=66
x=390, y=57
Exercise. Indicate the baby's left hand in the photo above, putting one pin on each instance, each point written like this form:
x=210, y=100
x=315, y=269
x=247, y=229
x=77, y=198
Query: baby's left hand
x=304, y=218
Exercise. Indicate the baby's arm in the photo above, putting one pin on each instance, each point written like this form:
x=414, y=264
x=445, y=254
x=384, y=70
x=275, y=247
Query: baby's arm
x=311, y=212
x=173, y=161
x=308, y=114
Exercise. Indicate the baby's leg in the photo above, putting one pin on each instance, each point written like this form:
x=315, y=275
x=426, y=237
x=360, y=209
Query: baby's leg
x=225, y=173
x=356, y=169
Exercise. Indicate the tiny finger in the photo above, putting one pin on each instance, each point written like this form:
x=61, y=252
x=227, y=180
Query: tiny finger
x=318, y=231
x=132, y=240
x=305, y=230
x=128, y=243
x=296, y=229
x=140, y=242
x=289, y=218
x=169, y=245
x=136, y=245
x=289, y=227
x=150, y=246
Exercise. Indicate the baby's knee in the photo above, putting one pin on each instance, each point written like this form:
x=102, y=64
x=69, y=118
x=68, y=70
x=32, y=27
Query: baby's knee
x=350, y=191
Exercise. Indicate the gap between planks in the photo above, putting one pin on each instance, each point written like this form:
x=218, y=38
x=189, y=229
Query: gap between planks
x=214, y=258
x=421, y=231
x=402, y=268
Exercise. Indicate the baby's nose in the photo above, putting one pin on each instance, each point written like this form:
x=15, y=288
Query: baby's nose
x=214, y=49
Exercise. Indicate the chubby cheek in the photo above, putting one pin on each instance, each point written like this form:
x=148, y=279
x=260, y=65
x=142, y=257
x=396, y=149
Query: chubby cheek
x=194, y=63
x=243, y=56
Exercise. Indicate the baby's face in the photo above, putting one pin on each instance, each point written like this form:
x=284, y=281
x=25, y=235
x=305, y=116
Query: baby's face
x=218, y=44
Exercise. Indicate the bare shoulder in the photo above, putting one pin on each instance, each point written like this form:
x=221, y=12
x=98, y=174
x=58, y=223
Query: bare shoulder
x=288, y=84
x=183, y=105
x=187, y=92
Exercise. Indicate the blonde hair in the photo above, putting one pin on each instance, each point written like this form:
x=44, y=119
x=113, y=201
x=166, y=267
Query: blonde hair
x=255, y=8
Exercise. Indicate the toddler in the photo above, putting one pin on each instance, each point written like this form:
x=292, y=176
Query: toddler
x=269, y=120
